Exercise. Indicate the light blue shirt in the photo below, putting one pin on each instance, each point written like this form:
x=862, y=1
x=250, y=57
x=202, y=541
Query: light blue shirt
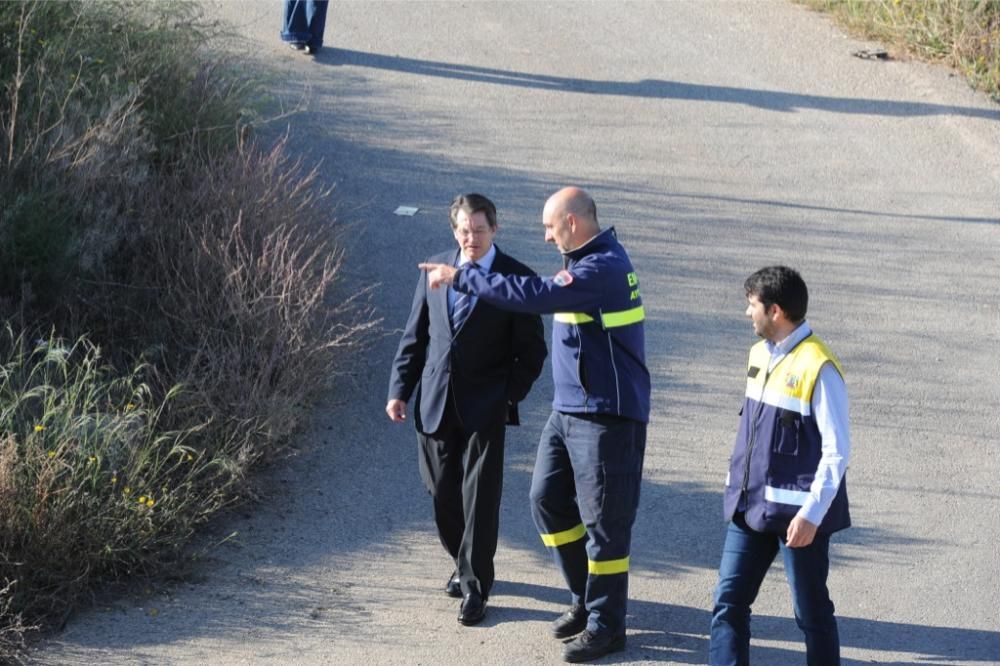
x=830, y=406
x=486, y=263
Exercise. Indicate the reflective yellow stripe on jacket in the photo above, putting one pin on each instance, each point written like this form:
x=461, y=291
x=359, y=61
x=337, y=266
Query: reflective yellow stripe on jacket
x=608, y=319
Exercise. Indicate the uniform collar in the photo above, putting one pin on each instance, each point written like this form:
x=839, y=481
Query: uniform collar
x=600, y=240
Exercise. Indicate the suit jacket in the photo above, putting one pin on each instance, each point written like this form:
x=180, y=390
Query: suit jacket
x=487, y=366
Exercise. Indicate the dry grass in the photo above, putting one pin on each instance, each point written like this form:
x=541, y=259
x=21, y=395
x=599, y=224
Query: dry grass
x=961, y=33
x=191, y=278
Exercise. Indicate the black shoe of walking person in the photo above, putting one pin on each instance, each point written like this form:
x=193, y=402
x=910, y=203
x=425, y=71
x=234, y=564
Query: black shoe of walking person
x=453, y=587
x=571, y=622
x=473, y=609
x=589, y=646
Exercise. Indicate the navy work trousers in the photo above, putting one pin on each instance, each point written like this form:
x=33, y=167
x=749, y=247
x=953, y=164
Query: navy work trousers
x=584, y=497
x=746, y=557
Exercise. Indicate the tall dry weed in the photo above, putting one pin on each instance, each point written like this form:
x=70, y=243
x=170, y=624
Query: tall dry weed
x=232, y=288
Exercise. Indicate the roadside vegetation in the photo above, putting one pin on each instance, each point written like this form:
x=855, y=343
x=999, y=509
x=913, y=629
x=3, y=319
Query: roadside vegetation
x=962, y=33
x=169, y=290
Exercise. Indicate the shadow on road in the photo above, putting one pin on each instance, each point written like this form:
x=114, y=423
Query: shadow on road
x=677, y=634
x=772, y=100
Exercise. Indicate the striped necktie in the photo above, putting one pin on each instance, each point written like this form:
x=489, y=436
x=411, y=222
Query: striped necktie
x=463, y=306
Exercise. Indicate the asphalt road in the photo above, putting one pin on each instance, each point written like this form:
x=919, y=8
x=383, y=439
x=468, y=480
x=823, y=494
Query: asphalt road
x=717, y=138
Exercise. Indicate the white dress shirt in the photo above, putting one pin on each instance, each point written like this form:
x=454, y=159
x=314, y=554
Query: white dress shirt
x=829, y=404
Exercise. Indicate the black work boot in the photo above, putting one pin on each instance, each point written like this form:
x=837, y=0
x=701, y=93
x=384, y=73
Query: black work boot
x=588, y=646
x=571, y=622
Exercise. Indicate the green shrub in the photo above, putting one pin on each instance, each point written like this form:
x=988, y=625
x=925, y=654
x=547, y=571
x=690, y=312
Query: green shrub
x=91, y=485
x=35, y=248
x=99, y=98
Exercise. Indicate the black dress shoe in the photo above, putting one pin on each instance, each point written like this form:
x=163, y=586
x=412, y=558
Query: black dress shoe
x=571, y=622
x=453, y=588
x=588, y=646
x=473, y=609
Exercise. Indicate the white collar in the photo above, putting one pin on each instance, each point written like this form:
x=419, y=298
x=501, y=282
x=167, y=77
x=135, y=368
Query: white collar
x=486, y=263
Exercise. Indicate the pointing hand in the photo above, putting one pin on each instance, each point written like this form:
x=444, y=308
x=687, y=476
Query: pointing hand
x=439, y=274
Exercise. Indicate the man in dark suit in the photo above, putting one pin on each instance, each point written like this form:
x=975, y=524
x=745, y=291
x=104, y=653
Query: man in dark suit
x=470, y=363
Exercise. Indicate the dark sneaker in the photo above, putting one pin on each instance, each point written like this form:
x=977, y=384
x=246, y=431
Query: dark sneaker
x=571, y=622
x=589, y=646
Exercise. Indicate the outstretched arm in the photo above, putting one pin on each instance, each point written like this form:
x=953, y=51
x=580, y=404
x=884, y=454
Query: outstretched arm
x=573, y=290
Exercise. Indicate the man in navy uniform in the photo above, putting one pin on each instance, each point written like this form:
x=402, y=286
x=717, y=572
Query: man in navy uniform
x=470, y=363
x=585, y=487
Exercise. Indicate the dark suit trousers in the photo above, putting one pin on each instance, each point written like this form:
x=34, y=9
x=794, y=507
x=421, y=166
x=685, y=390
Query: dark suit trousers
x=463, y=472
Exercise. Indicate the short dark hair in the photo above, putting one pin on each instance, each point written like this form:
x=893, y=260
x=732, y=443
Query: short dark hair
x=473, y=203
x=780, y=285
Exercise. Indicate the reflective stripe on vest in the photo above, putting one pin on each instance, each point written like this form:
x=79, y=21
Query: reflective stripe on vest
x=608, y=319
x=786, y=496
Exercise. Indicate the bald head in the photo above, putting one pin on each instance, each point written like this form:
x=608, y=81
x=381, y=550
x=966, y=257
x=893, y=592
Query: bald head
x=570, y=218
x=576, y=202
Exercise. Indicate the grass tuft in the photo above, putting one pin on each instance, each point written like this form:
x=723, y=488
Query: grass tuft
x=961, y=33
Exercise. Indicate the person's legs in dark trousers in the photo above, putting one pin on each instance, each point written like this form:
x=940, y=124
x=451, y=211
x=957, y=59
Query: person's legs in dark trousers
x=746, y=557
x=807, y=569
x=607, y=455
x=305, y=22
x=463, y=472
x=482, y=487
x=440, y=457
x=554, y=508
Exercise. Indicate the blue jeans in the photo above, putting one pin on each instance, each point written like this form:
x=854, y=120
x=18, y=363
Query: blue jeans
x=746, y=557
x=305, y=21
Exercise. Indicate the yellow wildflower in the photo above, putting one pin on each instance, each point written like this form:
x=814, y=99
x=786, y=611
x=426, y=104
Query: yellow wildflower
x=150, y=502
x=127, y=491
x=52, y=454
x=142, y=499
x=129, y=407
x=39, y=427
x=114, y=479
